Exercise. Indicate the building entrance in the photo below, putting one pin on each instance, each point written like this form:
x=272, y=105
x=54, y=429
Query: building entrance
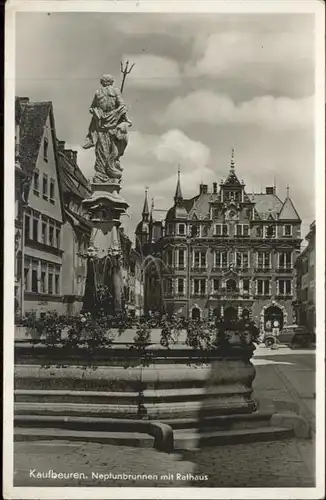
x=273, y=319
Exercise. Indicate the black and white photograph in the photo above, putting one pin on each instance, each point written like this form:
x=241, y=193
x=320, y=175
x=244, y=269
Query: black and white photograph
x=164, y=250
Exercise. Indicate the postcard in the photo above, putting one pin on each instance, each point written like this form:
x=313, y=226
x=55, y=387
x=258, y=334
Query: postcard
x=164, y=249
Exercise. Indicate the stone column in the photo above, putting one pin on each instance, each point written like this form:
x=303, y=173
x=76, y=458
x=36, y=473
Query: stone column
x=104, y=276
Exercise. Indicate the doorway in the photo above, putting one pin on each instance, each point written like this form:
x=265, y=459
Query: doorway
x=195, y=313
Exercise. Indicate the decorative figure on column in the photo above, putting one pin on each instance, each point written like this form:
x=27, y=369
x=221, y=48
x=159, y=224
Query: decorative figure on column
x=108, y=130
x=108, y=135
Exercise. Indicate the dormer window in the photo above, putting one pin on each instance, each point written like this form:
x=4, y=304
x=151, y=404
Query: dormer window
x=287, y=230
x=270, y=232
x=45, y=149
x=182, y=229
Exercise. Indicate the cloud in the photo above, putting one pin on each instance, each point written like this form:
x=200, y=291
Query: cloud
x=269, y=60
x=153, y=158
x=204, y=106
x=153, y=72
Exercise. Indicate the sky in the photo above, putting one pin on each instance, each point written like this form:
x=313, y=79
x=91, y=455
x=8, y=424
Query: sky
x=202, y=84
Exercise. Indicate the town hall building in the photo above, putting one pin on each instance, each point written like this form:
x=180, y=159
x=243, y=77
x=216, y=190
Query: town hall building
x=225, y=252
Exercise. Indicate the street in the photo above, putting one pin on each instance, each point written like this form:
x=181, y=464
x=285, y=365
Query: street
x=282, y=375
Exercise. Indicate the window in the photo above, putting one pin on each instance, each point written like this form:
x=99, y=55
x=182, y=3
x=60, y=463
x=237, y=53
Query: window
x=51, y=236
x=35, y=229
x=287, y=230
x=221, y=258
x=45, y=187
x=182, y=229
x=168, y=286
x=50, y=279
x=57, y=237
x=26, y=275
x=218, y=229
x=36, y=182
x=285, y=260
x=52, y=191
x=263, y=260
x=45, y=149
x=170, y=229
x=248, y=213
x=43, y=278
x=259, y=232
x=181, y=260
x=204, y=231
x=169, y=257
x=215, y=213
x=245, y=286
x=194, y=231
x=180, y=285
x=270, y=232
x=231, y=285
x=225, y=230
x=263, y=287
x=216, y=284
x=199, y=286
x=27, y=227
x=242, y=230
x=44, y=233
x=284, y=287
x=57, y=282
x=34, y=275
x=242, y=260
x=199, y=258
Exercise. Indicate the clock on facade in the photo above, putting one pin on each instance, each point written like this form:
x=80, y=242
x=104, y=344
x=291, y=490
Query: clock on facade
x=231, y=214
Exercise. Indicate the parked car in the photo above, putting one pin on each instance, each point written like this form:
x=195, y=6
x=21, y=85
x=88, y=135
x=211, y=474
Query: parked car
x=292, y=335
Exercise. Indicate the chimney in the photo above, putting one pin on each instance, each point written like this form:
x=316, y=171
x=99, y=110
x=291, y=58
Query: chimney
x=203, y=188
x=24, y=100
x=74, y=156
x=270, y=190
x=214, y=187
x=61, y=145
x=69, y=154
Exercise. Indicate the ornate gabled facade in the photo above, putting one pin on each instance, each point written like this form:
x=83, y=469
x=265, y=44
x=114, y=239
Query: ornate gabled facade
x=44, y=209
x=226, y=251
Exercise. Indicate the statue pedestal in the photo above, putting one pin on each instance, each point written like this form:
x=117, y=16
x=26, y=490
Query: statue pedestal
x=104, y=286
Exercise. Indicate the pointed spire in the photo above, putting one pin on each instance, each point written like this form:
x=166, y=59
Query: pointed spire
x=232, y=159
x=145, y=212
x=178, y=193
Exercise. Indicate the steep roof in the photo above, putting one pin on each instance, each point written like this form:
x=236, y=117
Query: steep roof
x=201, y=205
x=79, y=220
x=33, y=119
x=266, y=204
x=288, y=212
x=73, y=180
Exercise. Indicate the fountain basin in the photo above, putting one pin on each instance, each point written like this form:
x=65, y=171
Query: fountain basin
x=115, y=382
